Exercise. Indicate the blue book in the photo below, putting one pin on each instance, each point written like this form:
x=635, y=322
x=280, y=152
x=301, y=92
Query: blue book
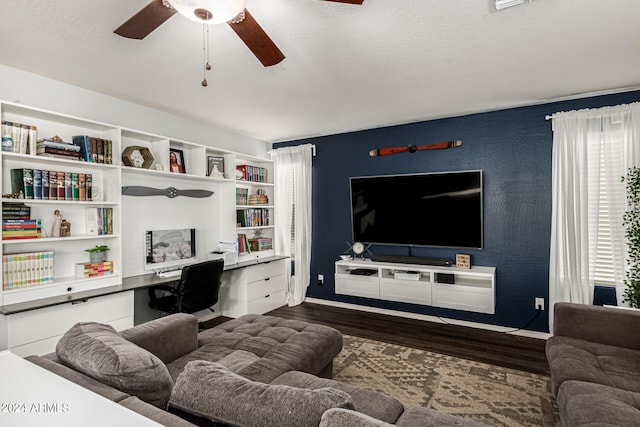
x=37, y=184
x=84, y=143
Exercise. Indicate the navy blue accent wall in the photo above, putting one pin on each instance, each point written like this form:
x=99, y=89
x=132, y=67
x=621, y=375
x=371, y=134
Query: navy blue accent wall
x=513, y=149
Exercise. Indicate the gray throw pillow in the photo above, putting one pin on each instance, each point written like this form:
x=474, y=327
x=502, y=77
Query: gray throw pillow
x=210, y=390
x=98, y=351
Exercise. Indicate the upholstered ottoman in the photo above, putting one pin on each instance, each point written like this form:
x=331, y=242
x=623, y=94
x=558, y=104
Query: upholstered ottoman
x=261, y=348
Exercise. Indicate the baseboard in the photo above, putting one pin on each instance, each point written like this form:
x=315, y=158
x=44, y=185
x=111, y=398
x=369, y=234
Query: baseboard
x=427, y=318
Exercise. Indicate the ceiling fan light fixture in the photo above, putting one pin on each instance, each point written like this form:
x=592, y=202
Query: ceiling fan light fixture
x=503, y=4
x=209, y=11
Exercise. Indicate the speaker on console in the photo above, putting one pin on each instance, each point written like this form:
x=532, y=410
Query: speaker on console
x=446, y=278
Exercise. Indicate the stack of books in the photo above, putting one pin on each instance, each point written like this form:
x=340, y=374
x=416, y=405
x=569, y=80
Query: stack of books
x=17, y=222
x=40, y=184
x=58, y=149
x=15, y=211
x=13, y=229
x=94, y=269
x=27, y=269
x=258, y=199
x=261, y=244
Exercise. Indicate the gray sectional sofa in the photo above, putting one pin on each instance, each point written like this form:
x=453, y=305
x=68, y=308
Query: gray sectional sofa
x=251, y=371
x=594, y=361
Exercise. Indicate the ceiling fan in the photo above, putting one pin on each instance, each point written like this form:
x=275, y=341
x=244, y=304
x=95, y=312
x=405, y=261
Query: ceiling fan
x=232, y=12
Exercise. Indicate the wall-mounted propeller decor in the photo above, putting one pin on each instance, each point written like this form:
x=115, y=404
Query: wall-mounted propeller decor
x=170, y=192
x=412, y=148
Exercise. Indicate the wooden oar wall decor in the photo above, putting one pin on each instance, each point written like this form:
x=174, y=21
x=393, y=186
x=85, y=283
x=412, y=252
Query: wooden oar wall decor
x=412, y=148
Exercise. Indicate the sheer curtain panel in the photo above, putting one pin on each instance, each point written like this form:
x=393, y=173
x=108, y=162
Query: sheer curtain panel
x=293, y=191
x=591, y=148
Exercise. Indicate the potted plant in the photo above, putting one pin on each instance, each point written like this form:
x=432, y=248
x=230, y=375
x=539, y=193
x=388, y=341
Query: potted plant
x=631, y=221
x=97, y=253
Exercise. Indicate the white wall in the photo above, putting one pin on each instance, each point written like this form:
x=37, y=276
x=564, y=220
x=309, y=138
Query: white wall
x=41, y=92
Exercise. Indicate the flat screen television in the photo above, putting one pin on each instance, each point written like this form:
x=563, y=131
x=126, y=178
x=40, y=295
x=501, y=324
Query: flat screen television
x=441, y=209
x=169, y=249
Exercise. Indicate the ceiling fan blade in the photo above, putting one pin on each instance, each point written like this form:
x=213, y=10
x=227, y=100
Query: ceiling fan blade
x=257, y=40
x=387, y=151
x=144, y=22
x=347, y=1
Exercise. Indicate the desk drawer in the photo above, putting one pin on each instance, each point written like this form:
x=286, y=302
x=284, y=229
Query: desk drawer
x=48, y=322
x=267, y=303
x=262, y=271
x=265, y=287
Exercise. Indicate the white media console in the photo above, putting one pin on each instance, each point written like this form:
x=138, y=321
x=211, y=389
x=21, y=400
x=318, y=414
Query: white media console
x=473, y=289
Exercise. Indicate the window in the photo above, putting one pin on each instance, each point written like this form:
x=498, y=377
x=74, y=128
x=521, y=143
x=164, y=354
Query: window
x=612, y=196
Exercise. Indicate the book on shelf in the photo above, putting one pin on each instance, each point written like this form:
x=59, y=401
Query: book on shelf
x=68, y=186
x=252, y=173
x=22, y=182
x=18, y=137
x=94, y=269
x=75, y=189
x=88, y=178
x=15, y=211
x=82, y=187
x=258, y=199
x=99, y=221
x=252, y=217
x=37, y=184
x=13, y=229
x=66, y=147
x=27, y=269
x=51, y=185
x=57, y=149
x=61, y=186
x=242, y=196
x=243, y=244
x=94, y=149
x=260, y=244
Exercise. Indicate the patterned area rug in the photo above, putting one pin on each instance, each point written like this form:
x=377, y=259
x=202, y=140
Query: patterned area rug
x=490, y=394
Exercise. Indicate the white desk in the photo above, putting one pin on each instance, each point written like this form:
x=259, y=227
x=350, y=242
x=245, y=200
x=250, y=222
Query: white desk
x=32, y=396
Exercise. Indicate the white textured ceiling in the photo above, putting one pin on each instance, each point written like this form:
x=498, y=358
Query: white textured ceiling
x=347, y=67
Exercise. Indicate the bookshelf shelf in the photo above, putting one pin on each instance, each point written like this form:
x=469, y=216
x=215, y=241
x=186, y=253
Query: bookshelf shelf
x=47, y=240
x=59, y=202
x=174, y=176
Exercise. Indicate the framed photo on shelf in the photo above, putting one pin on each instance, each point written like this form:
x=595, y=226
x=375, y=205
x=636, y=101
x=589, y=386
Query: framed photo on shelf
x=176, y=161
x=216, y=166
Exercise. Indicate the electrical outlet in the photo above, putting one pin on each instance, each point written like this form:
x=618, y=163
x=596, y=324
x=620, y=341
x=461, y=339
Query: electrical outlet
x=320, y=279
x=540, y=303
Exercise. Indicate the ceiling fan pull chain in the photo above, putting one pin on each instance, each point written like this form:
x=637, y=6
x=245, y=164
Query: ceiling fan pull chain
x=205, y=53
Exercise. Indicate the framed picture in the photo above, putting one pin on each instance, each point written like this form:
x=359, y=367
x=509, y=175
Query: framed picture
x=176, y=161
x=216, y=166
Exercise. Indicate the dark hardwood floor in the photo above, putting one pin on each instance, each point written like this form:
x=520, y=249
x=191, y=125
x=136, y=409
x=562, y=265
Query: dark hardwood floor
x=497, y=348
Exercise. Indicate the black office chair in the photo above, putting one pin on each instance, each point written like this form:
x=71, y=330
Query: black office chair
x=197, y=289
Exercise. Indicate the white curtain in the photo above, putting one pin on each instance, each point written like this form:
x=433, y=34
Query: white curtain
x=293, y=183
x=589, y=146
